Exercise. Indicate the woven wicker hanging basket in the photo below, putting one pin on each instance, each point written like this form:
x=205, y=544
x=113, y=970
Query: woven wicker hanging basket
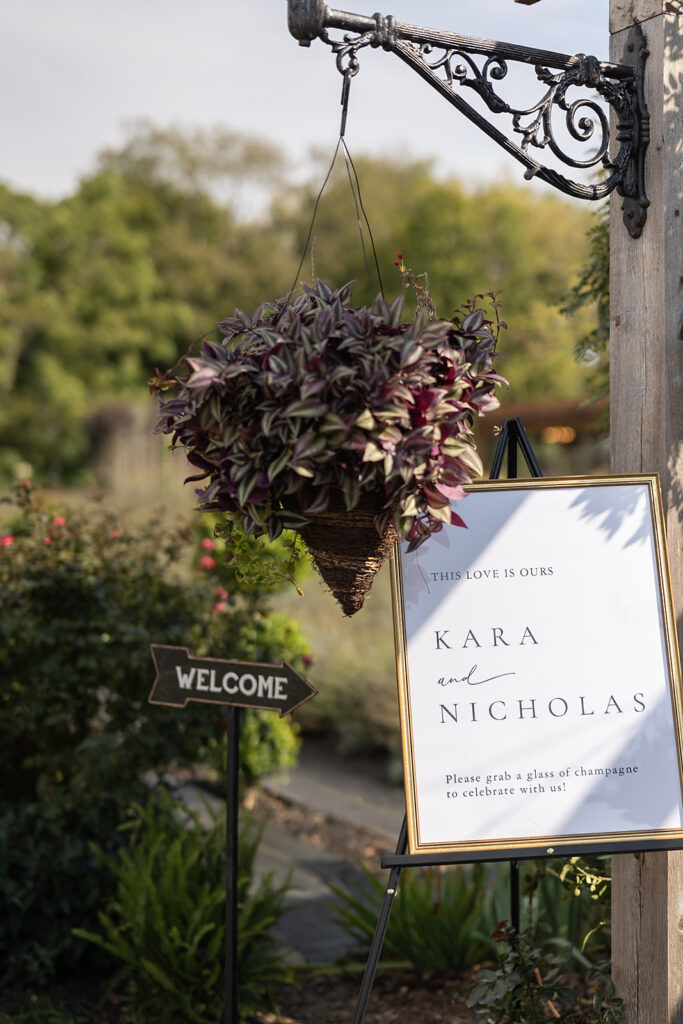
x=347, y=550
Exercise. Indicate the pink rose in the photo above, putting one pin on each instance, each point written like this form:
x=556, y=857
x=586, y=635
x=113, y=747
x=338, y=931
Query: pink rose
x=58, y=521
x=7, y=541
x=207, y=562
x=208, y=544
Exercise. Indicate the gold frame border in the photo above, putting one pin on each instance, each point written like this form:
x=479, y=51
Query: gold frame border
x=543, y=843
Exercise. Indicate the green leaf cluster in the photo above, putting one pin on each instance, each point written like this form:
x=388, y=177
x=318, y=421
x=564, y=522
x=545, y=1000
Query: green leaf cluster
x=531, y=984
x=570, y=900
x=591, y=290
x=165, y=925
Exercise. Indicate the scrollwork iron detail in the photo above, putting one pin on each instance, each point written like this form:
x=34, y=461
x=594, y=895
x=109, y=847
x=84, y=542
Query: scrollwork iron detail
x=453, y=64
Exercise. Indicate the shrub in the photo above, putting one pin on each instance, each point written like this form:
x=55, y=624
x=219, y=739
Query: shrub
x=82, y=600
x=531, y=984
x=439, y=919
x=166, y=923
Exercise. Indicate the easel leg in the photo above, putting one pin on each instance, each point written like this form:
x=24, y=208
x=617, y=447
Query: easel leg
x=514, y=895
x=380, y=930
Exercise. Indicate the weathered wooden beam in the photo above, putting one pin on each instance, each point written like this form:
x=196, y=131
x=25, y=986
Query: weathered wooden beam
x=624, y=13
x=647, y=435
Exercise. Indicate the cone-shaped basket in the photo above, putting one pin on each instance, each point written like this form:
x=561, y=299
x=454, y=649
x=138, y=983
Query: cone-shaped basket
x=347, y=550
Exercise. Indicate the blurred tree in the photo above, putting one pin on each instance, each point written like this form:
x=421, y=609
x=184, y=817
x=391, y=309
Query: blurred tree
x=120, y=277
x=591, y=291
x=195, y=160
x=152, y=248
x=525, y=246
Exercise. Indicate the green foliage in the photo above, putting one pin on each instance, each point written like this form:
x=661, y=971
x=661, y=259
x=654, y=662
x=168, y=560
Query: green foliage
x=268, y=744
x=120, y=277
x=439, y=919
x=523, y=245
x=31, y=1008
x=251, y=564
x=442, y=916
x=83, y=597
x=101, y=287
x=531, y=985
x=591, y=290
x=569, y=900
x=166, y=923
x=305, y=401
x=195, y=161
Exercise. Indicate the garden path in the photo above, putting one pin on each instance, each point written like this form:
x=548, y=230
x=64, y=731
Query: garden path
x=351, y=813
x=322, y=818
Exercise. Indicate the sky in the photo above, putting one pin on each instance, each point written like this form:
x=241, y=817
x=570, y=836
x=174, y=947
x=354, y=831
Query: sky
x=75, y=72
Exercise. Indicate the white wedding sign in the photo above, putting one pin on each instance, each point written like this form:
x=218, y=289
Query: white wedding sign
x=539, y=679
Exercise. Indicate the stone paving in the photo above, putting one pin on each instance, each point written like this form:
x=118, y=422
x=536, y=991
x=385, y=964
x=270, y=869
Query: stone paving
x=351, y=790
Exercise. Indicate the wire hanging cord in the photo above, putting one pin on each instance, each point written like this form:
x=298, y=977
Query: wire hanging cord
x=350, y=72
x=354, y=185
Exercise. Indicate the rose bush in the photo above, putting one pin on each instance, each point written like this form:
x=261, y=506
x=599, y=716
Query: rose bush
x=77, y=735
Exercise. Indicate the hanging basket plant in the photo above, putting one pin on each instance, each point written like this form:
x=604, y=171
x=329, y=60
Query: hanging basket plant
x=348, y=425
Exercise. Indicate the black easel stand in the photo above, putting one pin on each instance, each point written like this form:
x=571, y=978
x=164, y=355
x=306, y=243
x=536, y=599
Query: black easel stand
x=512, y=437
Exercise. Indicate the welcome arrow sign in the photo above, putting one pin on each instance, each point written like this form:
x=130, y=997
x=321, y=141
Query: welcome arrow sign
x=181, y=678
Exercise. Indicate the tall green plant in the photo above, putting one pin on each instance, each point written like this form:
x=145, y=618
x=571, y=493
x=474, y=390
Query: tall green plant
x=439, y=919
x=443, y=917
x=166, y=923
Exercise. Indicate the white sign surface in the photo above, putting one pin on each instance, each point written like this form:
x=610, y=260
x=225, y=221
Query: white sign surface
x=538, y=670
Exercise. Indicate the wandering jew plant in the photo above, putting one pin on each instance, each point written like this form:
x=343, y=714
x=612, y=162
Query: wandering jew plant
x=322, y=405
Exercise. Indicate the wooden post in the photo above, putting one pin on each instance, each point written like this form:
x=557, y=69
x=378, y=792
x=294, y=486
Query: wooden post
x=647, y=435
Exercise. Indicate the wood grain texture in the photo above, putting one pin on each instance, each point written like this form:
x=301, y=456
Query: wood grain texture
x=623, y=13
x=647, y=435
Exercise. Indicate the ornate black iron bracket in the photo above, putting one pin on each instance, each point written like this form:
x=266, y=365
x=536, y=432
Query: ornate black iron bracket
x=452, y=63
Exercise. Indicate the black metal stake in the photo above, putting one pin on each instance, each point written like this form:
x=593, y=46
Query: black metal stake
x=231, y=871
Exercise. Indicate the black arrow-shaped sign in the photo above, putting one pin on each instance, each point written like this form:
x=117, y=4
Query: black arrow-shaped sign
x=246, y=684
